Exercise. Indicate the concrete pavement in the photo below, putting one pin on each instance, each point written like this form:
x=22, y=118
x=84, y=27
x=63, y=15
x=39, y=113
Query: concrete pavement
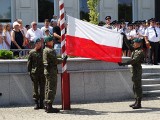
x=91, y=111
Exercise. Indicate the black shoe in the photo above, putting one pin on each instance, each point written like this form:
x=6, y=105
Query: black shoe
x=156, y=64
x=133, y=103
x=138, y=104
x=36, y=106
x=50, y=109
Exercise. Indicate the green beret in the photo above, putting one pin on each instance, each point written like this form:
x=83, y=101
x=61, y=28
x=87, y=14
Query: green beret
x=137, y=40
x=48, y=39
x=36, y=40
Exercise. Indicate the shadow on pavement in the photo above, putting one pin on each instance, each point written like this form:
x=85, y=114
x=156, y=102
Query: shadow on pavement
x=79, y=111
x=142, y=110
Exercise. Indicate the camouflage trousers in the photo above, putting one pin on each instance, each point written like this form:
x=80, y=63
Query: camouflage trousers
x=137, y=83
x=50, y=87
x=38, y=83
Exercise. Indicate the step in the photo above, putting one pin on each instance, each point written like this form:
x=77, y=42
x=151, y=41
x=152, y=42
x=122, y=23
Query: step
x=151, y=85
x=149, y=74
x=152, y=92
x=151, y=79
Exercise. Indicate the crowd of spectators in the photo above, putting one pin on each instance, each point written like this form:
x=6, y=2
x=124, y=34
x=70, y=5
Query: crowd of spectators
x=17, y=37
x=147, y=30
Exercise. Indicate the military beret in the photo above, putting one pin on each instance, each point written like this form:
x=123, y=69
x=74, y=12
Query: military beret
x=107, y=17
x=48, y=39
x=36, y=40
x=137, y=40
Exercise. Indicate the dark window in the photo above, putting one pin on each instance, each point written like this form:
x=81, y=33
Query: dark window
x=125, y=10
x=157, y=9
x=84, y=10
x=45, y=10
x=5, y=10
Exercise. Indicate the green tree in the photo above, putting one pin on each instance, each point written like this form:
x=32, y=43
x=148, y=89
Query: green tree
x=93, y=11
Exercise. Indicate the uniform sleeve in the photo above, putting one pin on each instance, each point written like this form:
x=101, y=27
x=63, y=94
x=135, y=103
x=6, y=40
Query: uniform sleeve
x=146, y=32
x=29, y=62
x=45, y=61
x=130, y=47
x=138, y=57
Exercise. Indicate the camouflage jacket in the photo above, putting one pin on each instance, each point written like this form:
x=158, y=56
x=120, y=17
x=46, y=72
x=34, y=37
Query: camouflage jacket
x=137, y=56
x=50, y=61
x=35, y=62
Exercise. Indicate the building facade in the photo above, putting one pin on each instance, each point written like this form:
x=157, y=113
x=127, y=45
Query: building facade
x=37, y=10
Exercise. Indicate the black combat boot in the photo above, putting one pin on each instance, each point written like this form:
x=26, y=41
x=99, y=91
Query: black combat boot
x=41, y=104
x=133, y=103
x=36, y=106
x=50, y=109
x=138, y=104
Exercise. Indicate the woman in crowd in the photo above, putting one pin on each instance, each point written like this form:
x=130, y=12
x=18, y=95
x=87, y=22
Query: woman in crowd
x=17, y=38
x=1, y=36
x=7, y=38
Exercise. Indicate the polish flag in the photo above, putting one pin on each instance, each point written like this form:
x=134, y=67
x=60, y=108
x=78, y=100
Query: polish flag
x=84, y=39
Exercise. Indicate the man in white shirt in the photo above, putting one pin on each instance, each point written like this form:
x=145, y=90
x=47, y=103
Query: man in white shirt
x=32, y=33
x=46, y=26
x=152, y=35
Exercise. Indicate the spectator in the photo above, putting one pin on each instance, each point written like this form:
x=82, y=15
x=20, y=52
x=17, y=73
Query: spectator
x=152, y=35
x=46, y=25
x=108, y=22
x=27, y=27
x=7, y=37
x=32, y=33
x=1, y=36
x=57, y=36
x=54, y=18
x=17, y=38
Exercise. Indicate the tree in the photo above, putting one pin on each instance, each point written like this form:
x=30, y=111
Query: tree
x=93, y=11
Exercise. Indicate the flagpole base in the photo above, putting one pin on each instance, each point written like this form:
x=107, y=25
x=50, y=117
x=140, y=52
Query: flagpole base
x=65, y=88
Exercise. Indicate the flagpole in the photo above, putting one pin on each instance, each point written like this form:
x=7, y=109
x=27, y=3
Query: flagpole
x=65, y=83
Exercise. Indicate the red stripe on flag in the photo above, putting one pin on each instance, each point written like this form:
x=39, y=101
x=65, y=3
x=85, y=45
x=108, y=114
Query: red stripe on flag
x=82, y=47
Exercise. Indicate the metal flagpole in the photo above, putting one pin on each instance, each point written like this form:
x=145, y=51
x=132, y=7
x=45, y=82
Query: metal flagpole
x=65, y=83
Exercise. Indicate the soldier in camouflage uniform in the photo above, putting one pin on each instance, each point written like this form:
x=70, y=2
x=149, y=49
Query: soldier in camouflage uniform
x=137, y=58
x=36, y=71
x=50, y=71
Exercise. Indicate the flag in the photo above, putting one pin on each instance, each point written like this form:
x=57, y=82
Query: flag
x=84, y=39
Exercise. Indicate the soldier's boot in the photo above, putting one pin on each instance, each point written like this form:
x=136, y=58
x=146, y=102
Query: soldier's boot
x=41, y=104
x=138, y=104
x=133, y=103
x=36, y=106
x=50, y=109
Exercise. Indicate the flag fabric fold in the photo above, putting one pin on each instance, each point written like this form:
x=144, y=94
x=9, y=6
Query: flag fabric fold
x=84, y=39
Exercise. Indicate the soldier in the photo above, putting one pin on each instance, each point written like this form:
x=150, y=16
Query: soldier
x=36, y=71
x=137, y=58
x=108, y=22
x=50, y=71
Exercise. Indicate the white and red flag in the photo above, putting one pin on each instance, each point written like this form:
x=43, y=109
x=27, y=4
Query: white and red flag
x=84, y=39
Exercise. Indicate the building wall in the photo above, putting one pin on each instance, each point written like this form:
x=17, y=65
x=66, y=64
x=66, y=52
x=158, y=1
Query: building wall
x=27, y=10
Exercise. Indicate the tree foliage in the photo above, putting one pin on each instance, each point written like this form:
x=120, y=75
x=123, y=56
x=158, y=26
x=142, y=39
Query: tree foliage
x=93, y=11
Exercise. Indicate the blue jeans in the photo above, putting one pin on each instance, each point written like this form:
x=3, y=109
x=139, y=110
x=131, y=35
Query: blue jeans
x=57, y=48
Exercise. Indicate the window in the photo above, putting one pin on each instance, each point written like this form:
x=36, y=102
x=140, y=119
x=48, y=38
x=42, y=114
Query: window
x=45, y=10
x=125, y=10
x=5, y=10
x=84, y=10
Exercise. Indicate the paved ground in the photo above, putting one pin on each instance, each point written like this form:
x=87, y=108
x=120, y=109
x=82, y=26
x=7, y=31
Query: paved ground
x=92, y=111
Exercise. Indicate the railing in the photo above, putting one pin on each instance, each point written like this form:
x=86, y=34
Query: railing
x=25, y=52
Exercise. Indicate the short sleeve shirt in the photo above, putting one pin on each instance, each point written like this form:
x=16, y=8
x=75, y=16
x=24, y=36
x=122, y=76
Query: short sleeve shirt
x=31, y=34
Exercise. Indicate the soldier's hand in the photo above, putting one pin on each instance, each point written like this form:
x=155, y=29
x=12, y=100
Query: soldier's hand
x=120, y=64
x=65, y=58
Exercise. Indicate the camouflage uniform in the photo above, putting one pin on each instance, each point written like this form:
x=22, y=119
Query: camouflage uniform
x=36, y=70
x=137, y=57
x=50, y=71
